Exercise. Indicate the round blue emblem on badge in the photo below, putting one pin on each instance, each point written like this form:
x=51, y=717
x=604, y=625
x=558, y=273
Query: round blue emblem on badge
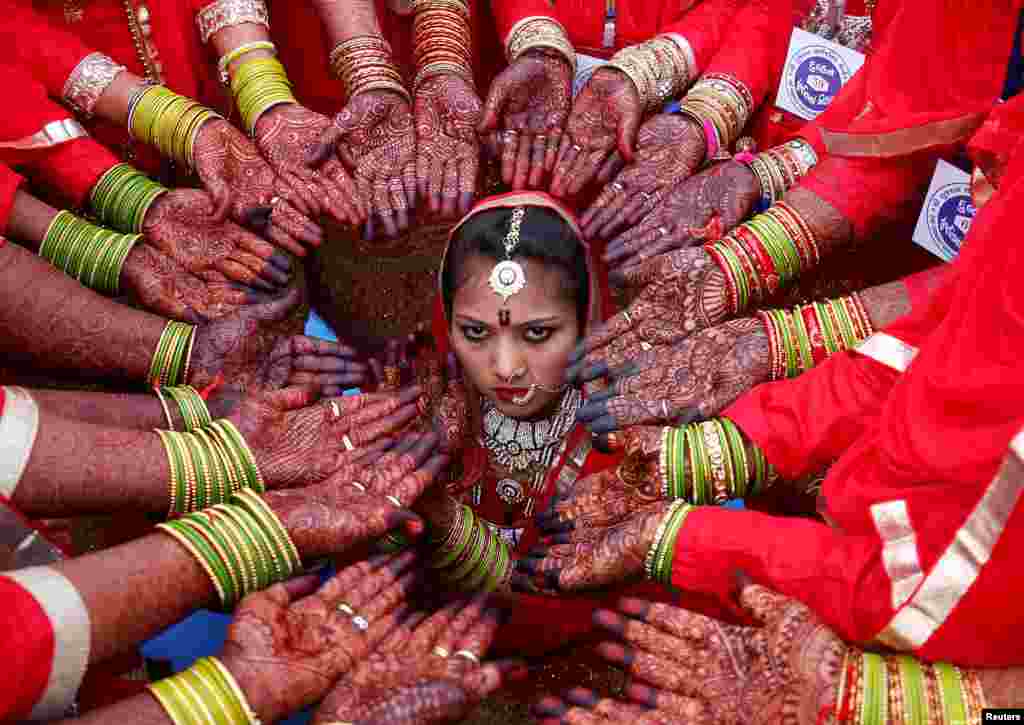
x=814, y=76
x=950, y=212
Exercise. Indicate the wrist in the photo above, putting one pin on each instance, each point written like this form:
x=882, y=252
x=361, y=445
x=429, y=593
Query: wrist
x=658, y=540
x=251, y=682
x=539, y=32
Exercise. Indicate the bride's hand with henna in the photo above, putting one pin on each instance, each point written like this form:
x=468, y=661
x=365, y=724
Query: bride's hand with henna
x=673, y=385
x=244, y=185
x=447, y=110
x=701, y=209
x=182, y=225
x=288, y=645
x=525, y=116
x=375, y=138
x=669, y=149
x=605, y=117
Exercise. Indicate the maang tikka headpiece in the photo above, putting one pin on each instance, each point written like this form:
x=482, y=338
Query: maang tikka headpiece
x=509, y=278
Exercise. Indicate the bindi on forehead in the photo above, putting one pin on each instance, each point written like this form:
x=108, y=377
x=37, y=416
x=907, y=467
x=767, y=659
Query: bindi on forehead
x=544, y=295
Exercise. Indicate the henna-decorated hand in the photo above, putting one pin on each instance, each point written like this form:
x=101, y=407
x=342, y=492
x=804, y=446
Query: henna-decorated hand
x=605, y=117
x=297, y=443
x=243, y=184
x=286, y=650
x=609, y=497
x=692, y=380
x=181, y=224
x=447, y=112
x=375, y=138
x=697, y=670
x=286, y=135
x=408, y=681
x=446, y=403
x=165, y=287
x=530, y=103
x=669, y=149
x=702, y=209
x=679, y=293
x=580, y=559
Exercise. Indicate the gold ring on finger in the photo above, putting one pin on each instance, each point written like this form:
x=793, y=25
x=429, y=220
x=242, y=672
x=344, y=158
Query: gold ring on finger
x=441, y=652
x=335, y=409
x=346, y=608
x=576, y=147
x=466, y=654
x=358, y=486
x=627, y=317
x=347, y=442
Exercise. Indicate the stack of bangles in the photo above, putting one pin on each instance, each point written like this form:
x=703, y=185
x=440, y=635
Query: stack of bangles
x=364, y=63
x=204, y=693
x=711, y=463
x=242, y=546
x=660, y=68
x=190, y=404
x=722, y=105
x=91, y=254
x=803, y=337
x=234, y=54
x=658, y=562
x=472, y=555
x=170, y=362
x=900, y=689
x=208, y=465
x=761, y=255
x=779, y=169
x=160, y=117
x=539, y=32
x=122, y=197
x=441, y=40
x=258, y=85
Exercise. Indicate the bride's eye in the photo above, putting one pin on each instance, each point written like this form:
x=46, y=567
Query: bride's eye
x=538, y=335
x=474, y=333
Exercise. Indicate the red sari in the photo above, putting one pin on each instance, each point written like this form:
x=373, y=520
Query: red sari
x=926, y=421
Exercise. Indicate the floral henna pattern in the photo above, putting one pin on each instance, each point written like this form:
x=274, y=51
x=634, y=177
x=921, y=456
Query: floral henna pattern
x=675, y=385
x=285, y=652
x=701, y=209
x=165, y=287
x=286, y=136
x=375, y=137
x=605, y=117
x=180, y=224
x=447, y=111
x=669, y=149
x=530, y=103
x=784, y=670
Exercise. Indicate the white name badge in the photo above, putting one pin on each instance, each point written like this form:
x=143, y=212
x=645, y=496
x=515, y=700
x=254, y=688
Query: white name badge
x=815, y=70
x=947, y=213
x=585, y=67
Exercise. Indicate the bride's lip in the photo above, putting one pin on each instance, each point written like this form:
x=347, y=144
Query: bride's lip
x=509, y=394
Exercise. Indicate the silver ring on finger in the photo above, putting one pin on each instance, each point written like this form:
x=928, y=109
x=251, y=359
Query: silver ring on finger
x=347, y=442
x=360, y=623
x=441, y=652
x=394, y=500
x=628, y=317
x=646, y=346
x=662, y=231
x=358, y=486
x=466, y=654
x=616, y=187
x=576, y=147
x=664, y=410
x=275, y=200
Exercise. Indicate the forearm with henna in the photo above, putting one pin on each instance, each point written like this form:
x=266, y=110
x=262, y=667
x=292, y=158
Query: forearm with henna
x=1003, y=688
x=29, y=220
x=831, y=229
x=116, y=410
x=343, y=19
x=50, y=320
x=77, y=468
x=139, y=710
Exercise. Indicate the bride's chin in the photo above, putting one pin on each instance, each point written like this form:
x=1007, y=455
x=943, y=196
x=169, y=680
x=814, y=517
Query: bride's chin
x=536, y=408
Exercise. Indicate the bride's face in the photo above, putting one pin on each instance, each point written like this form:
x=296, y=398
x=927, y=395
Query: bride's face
x=504, y=348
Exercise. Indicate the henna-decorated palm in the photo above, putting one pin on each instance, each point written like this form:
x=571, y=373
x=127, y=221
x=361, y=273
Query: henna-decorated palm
x=530, y=104
x=245, y=186
x=181, y=224
x=286, y=136
x=447, y=110
x=581, y=559
x=296, y=443
x=375, y=137
x=689, y=381
x=165, y=287
x=689, y=668
x=605, y=117
x=445, y=402
x=408, y=681
x=703, y=208
x=669, y=149
x=610, y=496
x=286, y=652
x=679, y=294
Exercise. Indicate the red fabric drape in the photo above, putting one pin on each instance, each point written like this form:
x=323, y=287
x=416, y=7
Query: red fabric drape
x=9, y=183
x=28, y=638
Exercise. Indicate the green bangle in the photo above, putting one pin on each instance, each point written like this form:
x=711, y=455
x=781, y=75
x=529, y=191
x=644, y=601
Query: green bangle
x=666, y=554
x=876, y=687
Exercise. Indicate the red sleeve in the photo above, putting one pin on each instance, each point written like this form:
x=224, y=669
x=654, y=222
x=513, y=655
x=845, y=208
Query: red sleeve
x=805, y=424
x=50, y=52
x=9, y=183
x=841, y=578
x=28, y=640
x=705, y=26
x=755, y=50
